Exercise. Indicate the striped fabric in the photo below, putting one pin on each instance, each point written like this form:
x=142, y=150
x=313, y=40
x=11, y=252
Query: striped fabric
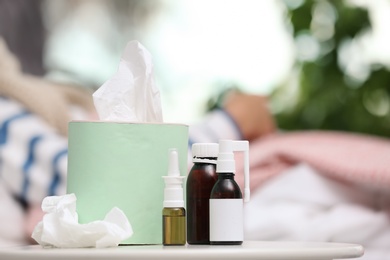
x=32, y=156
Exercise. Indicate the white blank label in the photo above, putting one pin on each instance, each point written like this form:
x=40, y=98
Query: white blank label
x=226, y=220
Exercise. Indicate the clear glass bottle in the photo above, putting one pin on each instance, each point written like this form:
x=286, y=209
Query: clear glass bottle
x=200, y=182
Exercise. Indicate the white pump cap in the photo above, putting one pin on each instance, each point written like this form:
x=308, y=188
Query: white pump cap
x=201, y=151
x=173, y=192
x=226, y=162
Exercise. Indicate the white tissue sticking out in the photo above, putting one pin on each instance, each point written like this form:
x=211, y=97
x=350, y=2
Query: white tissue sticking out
x=131, y=95
x=60, y=227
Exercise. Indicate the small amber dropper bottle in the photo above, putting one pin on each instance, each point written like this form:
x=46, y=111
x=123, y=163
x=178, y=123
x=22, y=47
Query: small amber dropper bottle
x=174, y=214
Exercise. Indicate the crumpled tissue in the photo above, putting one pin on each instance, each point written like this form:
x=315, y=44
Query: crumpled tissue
x=131, y=95
x=60, y=227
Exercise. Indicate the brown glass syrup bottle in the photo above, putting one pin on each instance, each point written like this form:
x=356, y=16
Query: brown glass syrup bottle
x=200, y=182
x=226, y=188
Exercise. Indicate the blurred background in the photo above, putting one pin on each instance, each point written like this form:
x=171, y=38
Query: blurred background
x=324, y=64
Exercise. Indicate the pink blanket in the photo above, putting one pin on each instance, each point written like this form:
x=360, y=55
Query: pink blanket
x=353, y=158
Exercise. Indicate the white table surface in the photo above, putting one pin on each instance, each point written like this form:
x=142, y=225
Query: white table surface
x=248, y=250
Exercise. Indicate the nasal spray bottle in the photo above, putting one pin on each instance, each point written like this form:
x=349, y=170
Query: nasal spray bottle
x=174, y=214
x=226, y=204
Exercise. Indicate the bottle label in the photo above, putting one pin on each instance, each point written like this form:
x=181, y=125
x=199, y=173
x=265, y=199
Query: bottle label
x=226, y=220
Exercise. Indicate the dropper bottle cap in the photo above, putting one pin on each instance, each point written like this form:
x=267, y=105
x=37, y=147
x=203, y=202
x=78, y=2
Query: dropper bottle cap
x=173, y=192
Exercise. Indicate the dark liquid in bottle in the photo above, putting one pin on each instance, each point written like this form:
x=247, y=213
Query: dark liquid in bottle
x=226, y=188
x=200, y=182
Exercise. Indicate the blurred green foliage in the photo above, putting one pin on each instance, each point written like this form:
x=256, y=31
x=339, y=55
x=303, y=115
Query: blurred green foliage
x=328, y=97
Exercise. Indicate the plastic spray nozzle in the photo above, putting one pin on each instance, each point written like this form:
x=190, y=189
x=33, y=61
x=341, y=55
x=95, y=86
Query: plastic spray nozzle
x=173, y=192
x=173, y=168
x=226, y=162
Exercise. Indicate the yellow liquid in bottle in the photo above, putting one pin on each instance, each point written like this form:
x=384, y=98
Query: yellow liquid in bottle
x=174, y=226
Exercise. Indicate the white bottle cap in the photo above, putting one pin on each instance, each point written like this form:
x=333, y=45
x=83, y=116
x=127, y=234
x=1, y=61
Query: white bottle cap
x=173, y=192
x=201, y=151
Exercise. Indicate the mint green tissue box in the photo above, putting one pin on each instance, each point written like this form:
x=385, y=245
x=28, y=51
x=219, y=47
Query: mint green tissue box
x=114, y=164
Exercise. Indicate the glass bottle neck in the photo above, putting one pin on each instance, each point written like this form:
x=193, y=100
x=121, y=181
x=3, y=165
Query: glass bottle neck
x=225, y=175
